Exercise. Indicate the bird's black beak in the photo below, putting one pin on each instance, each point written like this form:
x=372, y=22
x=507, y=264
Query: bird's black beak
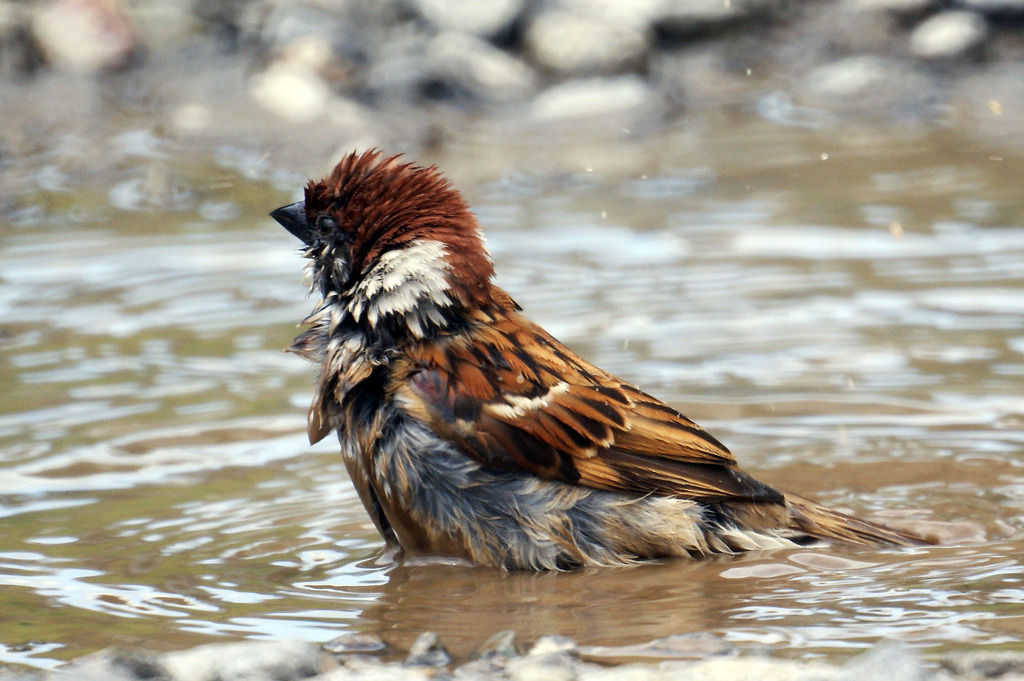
x=293, y=218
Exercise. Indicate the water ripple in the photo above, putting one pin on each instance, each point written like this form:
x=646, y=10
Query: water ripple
x=852, y=331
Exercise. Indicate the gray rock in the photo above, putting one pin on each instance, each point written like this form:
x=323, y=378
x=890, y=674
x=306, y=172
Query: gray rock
x=289, y=24
x=163, y=23
x=482, y=19
x=473, y=68
x=948, y=35
x=397, y=69
x=849, y=77
x=552, y=659
x=356, y=643
x=680, y=646
x=310, y=50
x=722, y=669
x=428, y=651
x=24, y=675
x=901, y=8
x=868, y=86
x=502, y=644
x=693, y=18
x=115, y=665
x=860, y=79
x=453, y=66
x=558, y=667
x=703, y=76
x=245, y=661
x=887, y=661
x=18, y=51
x=994, y=7
x=851, y=30
x=369, y=669
x=548, y=645
x=836, y=29
x=985, y=664
x=569, y=41
x=624, y=96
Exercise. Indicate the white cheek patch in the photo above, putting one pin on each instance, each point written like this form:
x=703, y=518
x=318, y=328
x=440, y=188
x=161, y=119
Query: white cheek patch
x=409, y=283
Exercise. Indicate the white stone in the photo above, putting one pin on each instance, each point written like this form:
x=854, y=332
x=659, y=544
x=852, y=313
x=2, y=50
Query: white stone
x=84, y=35
x=948, y=34
x=571, y=42
x=292, y=91
x=592, y=97
x=848, y=77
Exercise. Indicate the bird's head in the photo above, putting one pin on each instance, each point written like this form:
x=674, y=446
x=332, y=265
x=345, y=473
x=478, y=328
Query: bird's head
x=391, y=243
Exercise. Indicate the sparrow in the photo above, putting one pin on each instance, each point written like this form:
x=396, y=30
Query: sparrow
x=471, y=433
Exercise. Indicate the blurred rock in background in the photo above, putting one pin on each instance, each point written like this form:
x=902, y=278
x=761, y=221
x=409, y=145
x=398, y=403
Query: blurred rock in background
x=305, y=78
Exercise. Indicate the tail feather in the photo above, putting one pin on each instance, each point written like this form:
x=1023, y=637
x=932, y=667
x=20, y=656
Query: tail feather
x=822, y=522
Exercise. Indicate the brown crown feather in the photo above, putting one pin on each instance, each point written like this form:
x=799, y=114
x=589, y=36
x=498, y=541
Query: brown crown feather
x=382, y=204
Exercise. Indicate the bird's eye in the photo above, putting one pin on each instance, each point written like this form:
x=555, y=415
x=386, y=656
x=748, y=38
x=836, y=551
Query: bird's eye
x=326, y=225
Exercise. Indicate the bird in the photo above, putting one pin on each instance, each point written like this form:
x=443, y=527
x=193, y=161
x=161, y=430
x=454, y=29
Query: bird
x=471, y=434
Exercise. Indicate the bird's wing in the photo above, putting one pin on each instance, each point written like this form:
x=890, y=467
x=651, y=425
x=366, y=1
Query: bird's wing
x=513, y=397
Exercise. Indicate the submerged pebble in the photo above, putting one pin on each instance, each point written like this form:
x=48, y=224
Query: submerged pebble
x=428, y=651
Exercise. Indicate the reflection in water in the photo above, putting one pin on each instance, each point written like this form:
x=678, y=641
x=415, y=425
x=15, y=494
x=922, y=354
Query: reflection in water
x=850, y=327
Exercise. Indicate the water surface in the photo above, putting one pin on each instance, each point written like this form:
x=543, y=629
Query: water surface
x=845, y=312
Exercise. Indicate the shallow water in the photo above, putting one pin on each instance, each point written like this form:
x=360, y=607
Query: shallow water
x=845, y=312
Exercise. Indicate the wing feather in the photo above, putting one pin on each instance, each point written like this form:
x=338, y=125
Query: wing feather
x=513, y=397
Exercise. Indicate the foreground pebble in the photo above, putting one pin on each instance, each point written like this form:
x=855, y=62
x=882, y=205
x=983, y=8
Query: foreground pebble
x=364, y=657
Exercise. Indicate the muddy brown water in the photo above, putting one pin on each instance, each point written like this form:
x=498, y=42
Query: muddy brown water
x=845, y=312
